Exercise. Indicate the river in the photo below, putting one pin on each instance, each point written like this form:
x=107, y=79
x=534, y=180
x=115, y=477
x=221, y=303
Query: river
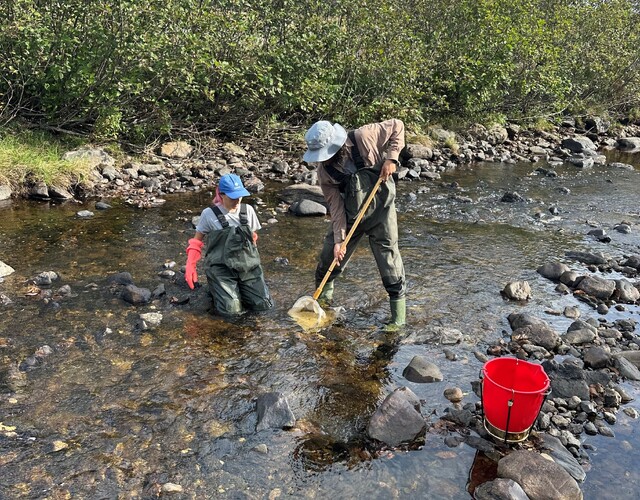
x=135, y=409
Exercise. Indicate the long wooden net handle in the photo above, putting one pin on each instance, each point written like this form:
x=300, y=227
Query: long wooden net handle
x=346, y=240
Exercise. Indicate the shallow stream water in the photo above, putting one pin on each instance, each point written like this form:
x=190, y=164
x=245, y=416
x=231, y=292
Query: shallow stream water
x=140, y=408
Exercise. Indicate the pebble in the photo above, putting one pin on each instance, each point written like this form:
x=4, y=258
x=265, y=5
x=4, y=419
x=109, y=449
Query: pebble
x=261, y=448
x=85, y=214
x=480, y=356
x=454, y=394
x=172, y=488
x=632, y=412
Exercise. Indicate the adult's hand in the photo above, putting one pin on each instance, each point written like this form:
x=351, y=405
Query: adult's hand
x=338, y=253
x=388, y=168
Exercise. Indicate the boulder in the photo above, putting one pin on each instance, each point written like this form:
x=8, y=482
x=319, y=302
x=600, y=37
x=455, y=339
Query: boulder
x=421, y=370
x=578, y=144
x=307, y=208
x=553, y=270
x=176, y=149
x=599, y=288
x=538, y=334
x=517, y=290
x=539, y=477
x=298, y=192
x=398, y=419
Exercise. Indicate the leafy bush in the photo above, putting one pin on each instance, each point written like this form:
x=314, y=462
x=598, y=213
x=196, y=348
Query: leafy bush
x=138, y=69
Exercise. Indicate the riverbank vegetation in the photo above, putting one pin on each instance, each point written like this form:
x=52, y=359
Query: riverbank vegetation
x=136, y=70
x=28, y=156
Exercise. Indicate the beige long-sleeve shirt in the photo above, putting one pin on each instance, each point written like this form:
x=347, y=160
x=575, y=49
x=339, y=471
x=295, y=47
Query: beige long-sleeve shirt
x=376, y=141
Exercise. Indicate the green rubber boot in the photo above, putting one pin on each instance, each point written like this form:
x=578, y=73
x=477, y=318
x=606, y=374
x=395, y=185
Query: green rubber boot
x=326, y=296
x=398, y=314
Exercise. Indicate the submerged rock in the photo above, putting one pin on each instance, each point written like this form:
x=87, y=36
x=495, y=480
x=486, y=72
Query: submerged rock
x=398, y=419
x=274, y=412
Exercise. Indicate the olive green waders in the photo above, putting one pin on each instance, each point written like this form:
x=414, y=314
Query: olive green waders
x=232, y=265
x=380, y=225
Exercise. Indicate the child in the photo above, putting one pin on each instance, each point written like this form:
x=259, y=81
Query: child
x=231, y=258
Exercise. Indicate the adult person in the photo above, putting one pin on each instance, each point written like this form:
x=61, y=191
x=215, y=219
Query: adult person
x=231, y=259
x=349, y=164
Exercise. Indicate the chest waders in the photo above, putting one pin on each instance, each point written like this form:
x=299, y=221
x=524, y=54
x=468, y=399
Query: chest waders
x=232, y=265
x=379, y=224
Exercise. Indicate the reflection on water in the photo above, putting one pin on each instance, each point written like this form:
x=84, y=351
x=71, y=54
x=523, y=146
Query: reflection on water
x=118, y=410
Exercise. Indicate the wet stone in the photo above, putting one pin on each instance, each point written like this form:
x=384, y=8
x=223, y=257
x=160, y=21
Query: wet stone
x=135, y=295
x=454, y=394
x=605, y=431
x=274, y=412
x=420, y=370
x=500, y=488
x=539, y=477
x=596, y=357
x=553, y=270
x=398, y=418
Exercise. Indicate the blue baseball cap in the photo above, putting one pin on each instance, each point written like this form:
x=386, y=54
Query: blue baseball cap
x=231, y=185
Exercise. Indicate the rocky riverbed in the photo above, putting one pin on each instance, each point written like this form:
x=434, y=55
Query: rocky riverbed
x=99, y=363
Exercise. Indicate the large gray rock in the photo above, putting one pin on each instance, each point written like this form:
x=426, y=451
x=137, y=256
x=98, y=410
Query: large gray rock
x=626, y=292
x=596, y=357
x=588, y=257
x=421, y=370
x=599, y=288
x=274, y=412
x=633, y=356
x=500, y=489
x=517, y=290
x=418, y=151
x=579, y=337
x=538, y=334
x=578, y=144
x=304, y=208
x=554, y=447
x=553, y=270
x=627, y=369
x=95, y=157
x=540, y=478
x=633, y=261
x=567, y=379
x=298, y=192
x=398, y=419
x=519, y=320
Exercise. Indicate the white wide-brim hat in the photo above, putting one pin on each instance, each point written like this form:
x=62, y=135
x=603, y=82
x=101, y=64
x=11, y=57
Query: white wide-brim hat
x=323, y=141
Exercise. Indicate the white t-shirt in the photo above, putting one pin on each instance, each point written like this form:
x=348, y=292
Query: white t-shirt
x=209, y=222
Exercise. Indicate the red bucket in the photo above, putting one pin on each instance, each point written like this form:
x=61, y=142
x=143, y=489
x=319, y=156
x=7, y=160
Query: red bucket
x=512, y=394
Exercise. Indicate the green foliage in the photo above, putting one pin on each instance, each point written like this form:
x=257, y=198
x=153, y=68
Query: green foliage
x=136, y=69
x=37, y=157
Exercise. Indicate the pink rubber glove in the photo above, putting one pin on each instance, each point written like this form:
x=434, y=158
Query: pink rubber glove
x=194, y=252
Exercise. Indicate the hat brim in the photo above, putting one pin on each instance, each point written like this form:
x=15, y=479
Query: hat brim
x=237, y=193
x=323, y=154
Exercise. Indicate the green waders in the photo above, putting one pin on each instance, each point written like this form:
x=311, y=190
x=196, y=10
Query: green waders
x=381, y=226
x=233, y=269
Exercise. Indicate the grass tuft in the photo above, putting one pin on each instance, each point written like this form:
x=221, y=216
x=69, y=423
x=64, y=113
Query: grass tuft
x=36, y=156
